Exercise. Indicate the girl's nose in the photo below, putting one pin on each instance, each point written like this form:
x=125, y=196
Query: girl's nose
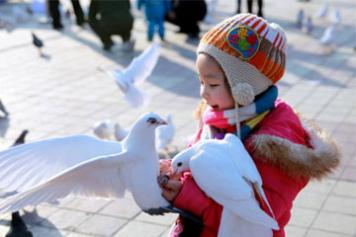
x=203, y=92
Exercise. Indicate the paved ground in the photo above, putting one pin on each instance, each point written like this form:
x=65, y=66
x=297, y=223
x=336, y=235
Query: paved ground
x=66, y=93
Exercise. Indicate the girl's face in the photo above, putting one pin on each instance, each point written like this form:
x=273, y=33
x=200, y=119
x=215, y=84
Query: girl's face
x=214, y=87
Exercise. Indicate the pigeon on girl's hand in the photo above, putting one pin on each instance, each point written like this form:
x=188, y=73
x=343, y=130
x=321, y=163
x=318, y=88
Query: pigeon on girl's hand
x=235, y=180
x=137, y=72
x=82, y=165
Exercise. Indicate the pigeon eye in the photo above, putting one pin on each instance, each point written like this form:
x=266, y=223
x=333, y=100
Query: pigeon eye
x=179, y=164
x=152, y=120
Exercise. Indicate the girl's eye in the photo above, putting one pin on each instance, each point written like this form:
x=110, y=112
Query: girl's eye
x=214, y=85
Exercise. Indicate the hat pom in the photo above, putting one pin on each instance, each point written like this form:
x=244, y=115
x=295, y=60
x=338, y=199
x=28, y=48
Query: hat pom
x=243, y=93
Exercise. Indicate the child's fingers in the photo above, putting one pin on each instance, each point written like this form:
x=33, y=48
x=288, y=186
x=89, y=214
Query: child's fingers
x=171, y=189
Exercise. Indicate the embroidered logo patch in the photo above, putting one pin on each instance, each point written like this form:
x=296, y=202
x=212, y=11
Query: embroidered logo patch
x=244, y=40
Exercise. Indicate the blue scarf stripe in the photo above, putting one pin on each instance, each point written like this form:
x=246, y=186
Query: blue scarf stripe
x=265, y=101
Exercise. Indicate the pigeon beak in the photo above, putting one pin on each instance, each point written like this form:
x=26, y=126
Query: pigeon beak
x=162, y=122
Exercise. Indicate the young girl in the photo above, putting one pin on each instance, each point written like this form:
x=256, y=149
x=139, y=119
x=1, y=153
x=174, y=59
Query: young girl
x=238, y=62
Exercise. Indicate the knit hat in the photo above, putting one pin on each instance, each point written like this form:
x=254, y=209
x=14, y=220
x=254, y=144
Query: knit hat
x=250, y=51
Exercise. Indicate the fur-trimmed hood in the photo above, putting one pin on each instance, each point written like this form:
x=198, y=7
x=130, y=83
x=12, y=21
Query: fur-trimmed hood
x=297, y=160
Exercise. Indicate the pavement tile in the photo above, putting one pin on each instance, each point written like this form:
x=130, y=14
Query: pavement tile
x=319, y=233
x=302, y=217
x=136, y=228
x=335, y=222
x=338, y=204
x=101, y=225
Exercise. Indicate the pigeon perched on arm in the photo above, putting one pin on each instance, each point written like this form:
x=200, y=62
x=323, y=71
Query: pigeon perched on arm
x=51, y=169
x=137, y=72
x=235, y=179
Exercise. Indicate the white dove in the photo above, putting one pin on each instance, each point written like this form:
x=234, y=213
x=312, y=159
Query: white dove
x=327, y=36
x=139, y=69
x=323, y=11
x=165, y=134
x=104, y=129
x=235, y=178
x=335, y=17
x=120, y=133
x=82, y=165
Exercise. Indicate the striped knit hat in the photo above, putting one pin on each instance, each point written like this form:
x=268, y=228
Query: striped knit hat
x=250, y=51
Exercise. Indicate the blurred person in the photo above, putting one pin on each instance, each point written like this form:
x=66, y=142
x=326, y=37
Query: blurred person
x=155, y=11
x=53, y=7
x=250, y=7
x=112, y=17
x=186, y=14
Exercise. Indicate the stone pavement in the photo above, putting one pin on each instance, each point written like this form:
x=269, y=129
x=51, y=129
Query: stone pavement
x=65, y=94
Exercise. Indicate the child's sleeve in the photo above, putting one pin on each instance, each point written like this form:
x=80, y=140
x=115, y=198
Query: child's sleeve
x=192, y=199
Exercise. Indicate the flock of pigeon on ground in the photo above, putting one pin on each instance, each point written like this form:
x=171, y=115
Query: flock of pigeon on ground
x=326, y=12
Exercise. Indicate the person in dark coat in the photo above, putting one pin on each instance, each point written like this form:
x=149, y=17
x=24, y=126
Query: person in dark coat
x=111, y=17
x=53, y=7
x=186, y=14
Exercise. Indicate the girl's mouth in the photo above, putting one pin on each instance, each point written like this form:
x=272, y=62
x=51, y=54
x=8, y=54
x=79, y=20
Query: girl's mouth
x=215, y=107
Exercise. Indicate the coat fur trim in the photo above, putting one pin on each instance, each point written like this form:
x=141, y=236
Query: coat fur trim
x=299, y=160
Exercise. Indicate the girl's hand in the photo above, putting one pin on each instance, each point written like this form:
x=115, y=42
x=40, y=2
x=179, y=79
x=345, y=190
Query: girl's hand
x=170, y=187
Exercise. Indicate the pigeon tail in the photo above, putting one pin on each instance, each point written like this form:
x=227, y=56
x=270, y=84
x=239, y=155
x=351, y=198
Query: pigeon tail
x=21, y=138
x=172, y=209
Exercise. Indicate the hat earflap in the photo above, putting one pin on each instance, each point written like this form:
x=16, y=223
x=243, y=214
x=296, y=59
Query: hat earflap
x=243, y=93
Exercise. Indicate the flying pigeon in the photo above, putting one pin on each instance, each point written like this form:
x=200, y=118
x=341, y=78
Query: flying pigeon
x=235, y=179
x=165, y=134
x=18, y=227
x=3, y=109
x=300, y=18
x=104, y=129
x=82, y=165
x=137, y=72
x=323, y=11
x=37, y=42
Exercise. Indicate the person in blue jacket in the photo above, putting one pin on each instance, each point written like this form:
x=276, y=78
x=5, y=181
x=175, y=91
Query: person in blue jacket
x=155, y=11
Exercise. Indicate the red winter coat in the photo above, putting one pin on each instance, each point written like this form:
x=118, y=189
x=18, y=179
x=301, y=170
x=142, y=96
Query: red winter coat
x=286, y=153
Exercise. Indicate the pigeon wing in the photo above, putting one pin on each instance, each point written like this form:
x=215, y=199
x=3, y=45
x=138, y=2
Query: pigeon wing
x=98, y=177
x=142, y=66
x=27, y=165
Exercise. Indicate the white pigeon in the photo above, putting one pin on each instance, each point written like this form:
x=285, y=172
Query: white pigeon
x=328, y=35
x=138, y=71
x=165, y=134
x=235, y=177
x=120, y=133
x=104, y=129
x=335, y=17
x=300, y=18
x=82, y=165
x=323, y=11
